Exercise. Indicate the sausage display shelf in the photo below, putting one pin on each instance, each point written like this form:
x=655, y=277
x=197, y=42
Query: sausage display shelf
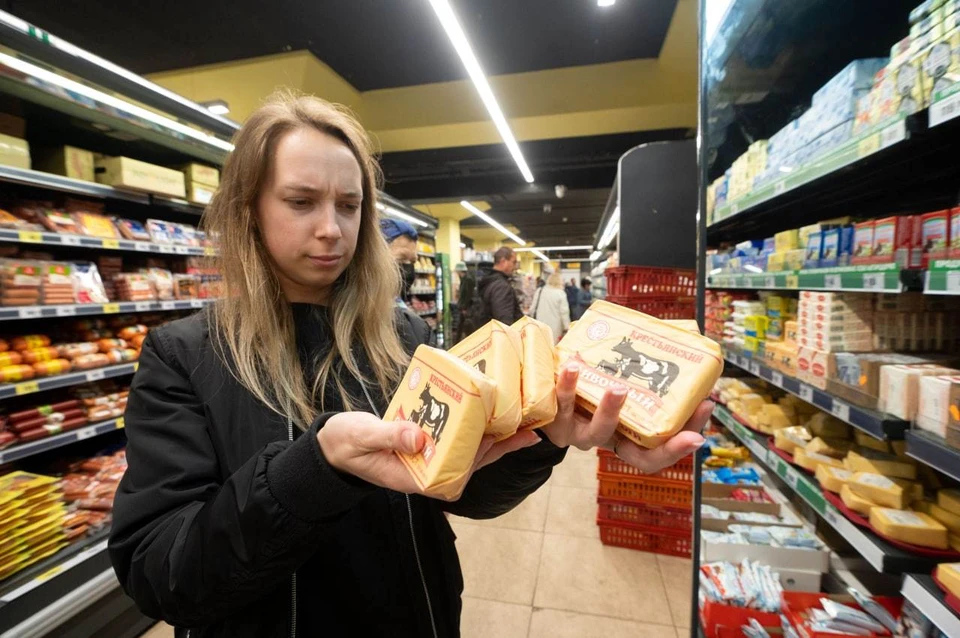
x=82, y=241
x=91, y=309
x=25, y=450
x=8, y=390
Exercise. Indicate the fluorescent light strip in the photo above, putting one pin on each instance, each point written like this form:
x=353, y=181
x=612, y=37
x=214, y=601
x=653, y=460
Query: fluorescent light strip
x=490, y=220
x=611, y=230
x=458, y=38
x=66, y=47
x=70, y=85
x=597, y=254
x=558, y=248
x=540, y=255
x=393, y=212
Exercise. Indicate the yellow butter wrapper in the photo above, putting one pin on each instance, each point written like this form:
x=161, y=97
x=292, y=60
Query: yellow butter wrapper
x=537, y=373
x=452, y=402
x=496, y=351
x=667, y=370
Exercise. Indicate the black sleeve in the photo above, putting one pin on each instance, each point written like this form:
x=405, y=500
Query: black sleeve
x=190, y=545
x=502, y=302
x=499, y=487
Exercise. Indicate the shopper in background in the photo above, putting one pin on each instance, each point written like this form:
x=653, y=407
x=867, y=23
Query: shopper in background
x=499, y=299
x=469, y=305
x=584, y=298
x=571, y=290
x=263, y=496
x=550, y=306
x=401, y=237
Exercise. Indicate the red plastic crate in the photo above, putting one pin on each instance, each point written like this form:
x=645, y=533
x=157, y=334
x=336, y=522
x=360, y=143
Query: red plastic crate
x=724, y=621
x=645, y=489
x=676, y=518
x=610, y=463
x=645, y=539
x=623, y=281
x=795, y=605
x=659, y=307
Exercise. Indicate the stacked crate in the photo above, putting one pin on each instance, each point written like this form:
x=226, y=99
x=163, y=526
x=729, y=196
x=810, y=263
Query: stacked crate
x=666, y=293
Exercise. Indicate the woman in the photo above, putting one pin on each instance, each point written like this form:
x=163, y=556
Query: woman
x=550, y=306
x=584, y=298
x=263, y=496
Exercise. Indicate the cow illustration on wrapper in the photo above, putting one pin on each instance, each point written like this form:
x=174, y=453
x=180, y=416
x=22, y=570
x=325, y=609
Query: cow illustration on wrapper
x=432, y=413
x=658, y=374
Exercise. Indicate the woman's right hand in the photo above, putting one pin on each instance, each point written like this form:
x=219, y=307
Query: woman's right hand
x=363, y=445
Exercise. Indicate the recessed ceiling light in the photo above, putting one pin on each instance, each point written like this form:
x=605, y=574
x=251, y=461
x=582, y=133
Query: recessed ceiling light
x=606, y=3
x=217, y=107
x=458, y=38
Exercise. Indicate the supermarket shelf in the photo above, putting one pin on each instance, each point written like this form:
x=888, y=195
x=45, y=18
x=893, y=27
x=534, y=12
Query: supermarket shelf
x=943, y=278
x=424, y=291
x=40, y=179
x=41, y=585
x=933, y=451
x=855, y=150
x=24, y=450
x=881, y=555
x=928, y=599
x=8, y=390
x=88, y=309
x=865, y=278
x=81, y=241
x=177, y=204
x=877, y=424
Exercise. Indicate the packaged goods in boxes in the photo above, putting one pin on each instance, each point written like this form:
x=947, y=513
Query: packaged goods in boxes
x=667, y=370
x=820, y=615
x=740, y=593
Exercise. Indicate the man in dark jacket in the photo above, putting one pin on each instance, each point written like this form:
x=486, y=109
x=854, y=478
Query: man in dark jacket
x=496, y=291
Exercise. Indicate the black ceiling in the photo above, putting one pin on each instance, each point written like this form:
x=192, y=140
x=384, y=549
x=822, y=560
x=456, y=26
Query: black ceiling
x=373, y=44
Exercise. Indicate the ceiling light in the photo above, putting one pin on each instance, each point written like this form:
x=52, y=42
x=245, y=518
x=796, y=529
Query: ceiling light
x=217, y=107
x=606, y=3
x=122, y=105
x=611, y=230
x=586, y=247
x=393, y=212
x=490, y=220
x=459, y=40
x=597, y=254
x=541, y=256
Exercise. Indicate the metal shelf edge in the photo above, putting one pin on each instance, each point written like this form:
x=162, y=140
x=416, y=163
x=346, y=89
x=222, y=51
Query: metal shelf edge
x=928, y=599
x=24, y=450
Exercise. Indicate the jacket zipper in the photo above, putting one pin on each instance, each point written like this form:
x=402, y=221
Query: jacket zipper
x=293, y=579
x=413, y=534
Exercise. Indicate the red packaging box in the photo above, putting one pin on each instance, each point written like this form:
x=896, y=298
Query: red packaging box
x=862, y=243
x=954, y=252
x=896, y=239
x=935, y=235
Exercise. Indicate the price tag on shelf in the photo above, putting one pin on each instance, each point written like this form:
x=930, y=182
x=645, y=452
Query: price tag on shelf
x=70, y=240
x=196, y=303
x=868, y=146
x=143, y=306
x=793, y=282
x=27, y=387
x=840, y=410
x=142, y=246
x=873, y=281
x=892, y=134
x=953, y=279
x=831, y=281
x=66, y=311
x=806, y=393
x=95, y=375
x=111, y=308
x=121, y=423
x=779, y=187
x=776, y=378
x=30, y=312
x=86, y=433
x=831, y=515
x=168, y=250
x=168, y=305
x=136, y=366
x=945, y=109
x=791, y=478
x=111, y=243
x=755, y=368
x=181, y=250
x=769, y=281
x=734, y=208
x=30, y=236
x=209, y=251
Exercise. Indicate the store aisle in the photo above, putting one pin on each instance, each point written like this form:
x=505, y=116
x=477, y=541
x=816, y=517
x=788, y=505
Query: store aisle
x=541, y=571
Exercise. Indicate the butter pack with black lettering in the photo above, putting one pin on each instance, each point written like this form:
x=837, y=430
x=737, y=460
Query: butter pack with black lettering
x=668, y=369
x=452, y=402
x=537, y=373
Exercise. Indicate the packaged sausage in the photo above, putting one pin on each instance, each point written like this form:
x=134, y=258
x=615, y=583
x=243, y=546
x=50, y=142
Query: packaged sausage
x=666, y=370
x=35, y=355
x=106, y=345
x=29, y=342
x=131, y=229
x=122, y=355
x=452, y=401
x=50, y=368
x=88, y=361
x=43, y=410
x=162, y=281
x=10, y=358
x=96, y=225
x=88, y=285
x=129, y=332
x=160, y=231
x=12, y=374
x=74, y=350
x=186, y=287
x=58, y=221
x=538, y=382
x=4, y=345
x=496, y=350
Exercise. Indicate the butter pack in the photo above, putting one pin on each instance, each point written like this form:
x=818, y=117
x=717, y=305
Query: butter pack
x=667, y=370
x=496, y=351
x=452, y=402
x=537, y=374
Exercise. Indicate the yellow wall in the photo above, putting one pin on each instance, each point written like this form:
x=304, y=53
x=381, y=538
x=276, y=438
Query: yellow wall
x=448, y=240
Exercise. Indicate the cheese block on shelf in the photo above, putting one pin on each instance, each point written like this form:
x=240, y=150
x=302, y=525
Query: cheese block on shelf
x=949, y=576
x=880, y=463
x=910, y=527
x=774, y=417
x=832, y=478
x=837, y=448
x=865, y=440
x=949, y=520
x=828, y=426
x=752, y=403
x=879, y=489
x=859, y=504
x=954, y=541
x=949, y=500
x=789, y=439
x=922, y=506
x=812, y=460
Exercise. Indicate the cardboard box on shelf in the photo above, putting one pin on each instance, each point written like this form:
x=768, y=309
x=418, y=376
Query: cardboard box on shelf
x=719, y=495
x=124, y=172
x=202, y=174
x=812, y=560
x=68, y=161
x=863, y=242
x=935, y=235
x=14, y=152
x=200, y=193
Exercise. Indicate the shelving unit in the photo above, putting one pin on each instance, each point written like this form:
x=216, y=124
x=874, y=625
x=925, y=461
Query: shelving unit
x=888, y=278
x=25, y=450
x=8, y=390
x=93, y=309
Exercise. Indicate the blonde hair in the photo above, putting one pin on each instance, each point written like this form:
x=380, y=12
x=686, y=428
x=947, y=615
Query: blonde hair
x=555, y=280
x=253, y=325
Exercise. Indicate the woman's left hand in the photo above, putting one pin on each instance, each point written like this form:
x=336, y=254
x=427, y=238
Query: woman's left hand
x=572, y=428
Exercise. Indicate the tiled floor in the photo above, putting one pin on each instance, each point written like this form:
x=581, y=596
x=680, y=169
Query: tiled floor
x=540, y=571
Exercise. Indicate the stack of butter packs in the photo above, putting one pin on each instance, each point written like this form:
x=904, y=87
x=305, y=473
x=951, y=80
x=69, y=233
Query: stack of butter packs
x=31, y=520
x=502, y=379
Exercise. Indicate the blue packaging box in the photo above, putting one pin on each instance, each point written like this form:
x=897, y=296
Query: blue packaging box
x=814, y=250
x=830, y=248
x=846, y=245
